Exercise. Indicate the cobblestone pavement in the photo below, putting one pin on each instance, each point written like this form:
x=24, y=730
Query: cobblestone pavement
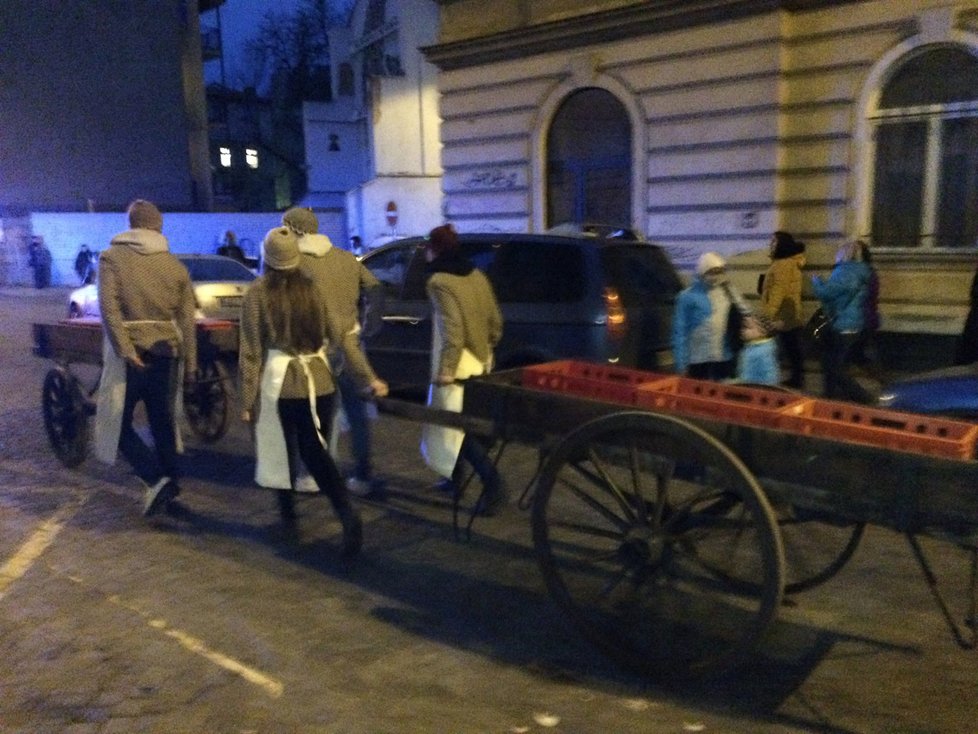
x=217, y=619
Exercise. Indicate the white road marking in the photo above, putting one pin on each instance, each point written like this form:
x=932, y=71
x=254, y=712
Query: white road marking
x=270, y=685
x=21, y=561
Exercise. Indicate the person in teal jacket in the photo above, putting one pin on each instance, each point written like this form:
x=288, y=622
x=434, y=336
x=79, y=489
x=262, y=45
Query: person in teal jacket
x=701, y=327
x=843, y=296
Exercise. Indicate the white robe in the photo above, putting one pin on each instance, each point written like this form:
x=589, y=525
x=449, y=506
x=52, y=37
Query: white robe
x=272, y=456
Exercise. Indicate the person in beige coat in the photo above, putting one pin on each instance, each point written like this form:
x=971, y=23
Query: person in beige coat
x=466, y=326
x=147, y=305
x=781, y=301
x=343, y=283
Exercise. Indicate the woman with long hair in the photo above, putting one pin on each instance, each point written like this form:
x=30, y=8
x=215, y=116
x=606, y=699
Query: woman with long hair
x=286, y=384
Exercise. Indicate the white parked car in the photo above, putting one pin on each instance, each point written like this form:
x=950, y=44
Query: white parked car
x=219, y=286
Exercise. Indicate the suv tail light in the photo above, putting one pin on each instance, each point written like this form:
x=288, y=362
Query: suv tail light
x=617, y=321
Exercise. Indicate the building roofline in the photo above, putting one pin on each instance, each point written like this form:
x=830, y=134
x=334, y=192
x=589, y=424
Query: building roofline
x=644, y=18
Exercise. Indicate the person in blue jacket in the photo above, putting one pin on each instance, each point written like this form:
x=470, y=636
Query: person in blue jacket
x=843, y=296
x=702, y=326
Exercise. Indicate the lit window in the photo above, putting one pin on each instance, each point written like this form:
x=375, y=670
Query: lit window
x=226, y=157
x=251, y=157
x=925, y=185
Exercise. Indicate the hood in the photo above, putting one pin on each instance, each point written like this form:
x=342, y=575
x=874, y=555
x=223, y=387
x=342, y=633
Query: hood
x=316, y=245
x=143, y=241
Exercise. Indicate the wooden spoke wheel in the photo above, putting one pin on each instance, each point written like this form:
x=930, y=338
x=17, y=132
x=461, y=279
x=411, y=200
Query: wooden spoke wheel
x=816, y=546
x=207, y=403
x=65, y=416
x=634, y=521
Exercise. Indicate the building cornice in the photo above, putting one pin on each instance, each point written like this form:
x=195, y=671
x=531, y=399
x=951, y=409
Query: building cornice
x=642, y=19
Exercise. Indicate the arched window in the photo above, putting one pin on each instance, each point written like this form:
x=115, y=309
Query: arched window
x=589, y=161
x=925, y=187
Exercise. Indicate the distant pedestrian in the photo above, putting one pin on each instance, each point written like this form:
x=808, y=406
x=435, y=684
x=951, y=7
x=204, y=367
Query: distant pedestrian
x=147, y=305
x=286, y=384
x=344, y=283
x=39, y=259
x=757, y=362
x=85, y=265
x=705, y=320
x=781, y=301
x=356, y=245
x=230, y=247
x=843, y=296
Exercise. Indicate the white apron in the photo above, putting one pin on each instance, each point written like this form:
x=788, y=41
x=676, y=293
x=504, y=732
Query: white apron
x=111, y=399
x=272, y=457
x=439, y=444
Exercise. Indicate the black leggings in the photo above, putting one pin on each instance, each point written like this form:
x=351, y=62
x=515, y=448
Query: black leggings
x=302, y=440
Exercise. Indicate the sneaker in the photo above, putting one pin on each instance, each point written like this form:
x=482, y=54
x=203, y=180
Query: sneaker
x=352, y=536
x=372, y=489
x=159, y=495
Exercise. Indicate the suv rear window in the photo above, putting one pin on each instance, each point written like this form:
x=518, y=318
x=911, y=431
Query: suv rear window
x=641, y=274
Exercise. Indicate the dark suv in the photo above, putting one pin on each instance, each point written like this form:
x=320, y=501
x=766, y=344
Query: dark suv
x=562, y=297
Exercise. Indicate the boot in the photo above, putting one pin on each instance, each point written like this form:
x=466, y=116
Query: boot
x=286, y=505
x=352, y=534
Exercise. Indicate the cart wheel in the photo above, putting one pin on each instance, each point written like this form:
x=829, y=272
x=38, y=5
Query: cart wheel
x=816, y=546
x=65, y=416
x=637, y=522
x=206, y=402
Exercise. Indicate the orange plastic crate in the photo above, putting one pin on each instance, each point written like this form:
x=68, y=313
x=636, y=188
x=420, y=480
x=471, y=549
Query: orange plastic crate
x=888, y=429
x=749, y=406
x=584, y=379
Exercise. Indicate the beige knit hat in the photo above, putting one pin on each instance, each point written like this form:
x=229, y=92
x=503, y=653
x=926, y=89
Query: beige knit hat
x=144, y=215
x=280, y=249
x=301, y=220
x=709, y=261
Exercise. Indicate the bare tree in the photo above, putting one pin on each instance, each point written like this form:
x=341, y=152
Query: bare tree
x=288, y=58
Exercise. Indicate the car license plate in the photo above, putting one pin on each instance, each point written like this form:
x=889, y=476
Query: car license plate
x=230, y=301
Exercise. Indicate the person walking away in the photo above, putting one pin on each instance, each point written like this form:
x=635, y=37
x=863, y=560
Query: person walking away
x=343, y=282
x=780, y=301
x=702, y=342
x=843, y=296
x=39, y=259
x=147, y=305
x=757, y=362
x=286, y=385
x=466, y=326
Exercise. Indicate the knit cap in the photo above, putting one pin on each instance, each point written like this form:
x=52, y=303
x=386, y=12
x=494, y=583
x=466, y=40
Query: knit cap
x=301, y=220
x=442, y=239
x=280, y=249
x=708, y=261
x=145, y=215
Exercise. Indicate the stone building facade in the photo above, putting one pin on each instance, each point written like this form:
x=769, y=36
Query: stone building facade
x=708, y=124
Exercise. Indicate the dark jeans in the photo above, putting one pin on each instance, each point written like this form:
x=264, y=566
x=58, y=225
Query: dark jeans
x=474, y=452
x=302, y=440
x=836, y=357
x=789, y=343
x=355, y=408
x=153, y=386
x=713, y=370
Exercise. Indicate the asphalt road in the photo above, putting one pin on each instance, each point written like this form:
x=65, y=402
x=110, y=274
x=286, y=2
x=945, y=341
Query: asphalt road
x=218, y=619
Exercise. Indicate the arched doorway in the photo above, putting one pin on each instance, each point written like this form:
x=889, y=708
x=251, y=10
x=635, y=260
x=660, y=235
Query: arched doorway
x=589, y=161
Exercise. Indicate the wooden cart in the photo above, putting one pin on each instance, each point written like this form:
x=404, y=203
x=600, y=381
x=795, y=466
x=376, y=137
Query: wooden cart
x=670, y=516
x=67, y=403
